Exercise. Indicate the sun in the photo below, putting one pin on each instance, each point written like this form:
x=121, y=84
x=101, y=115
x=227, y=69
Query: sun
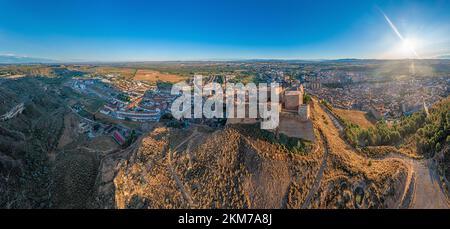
x=409, y=45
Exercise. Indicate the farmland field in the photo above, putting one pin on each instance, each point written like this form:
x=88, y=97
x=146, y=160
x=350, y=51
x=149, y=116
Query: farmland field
x=155, y=76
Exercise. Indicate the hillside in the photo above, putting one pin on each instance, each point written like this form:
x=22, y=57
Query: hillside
x=175, y=168
x=419, y=141
x=425, y=132
x=44, y=162
x=26, y=141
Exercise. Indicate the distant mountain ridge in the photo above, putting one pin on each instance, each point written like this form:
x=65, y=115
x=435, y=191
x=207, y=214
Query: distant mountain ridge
x=15, y=59
x=447, y=56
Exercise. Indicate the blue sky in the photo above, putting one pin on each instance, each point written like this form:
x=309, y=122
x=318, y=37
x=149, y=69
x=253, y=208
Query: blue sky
x=119, y=30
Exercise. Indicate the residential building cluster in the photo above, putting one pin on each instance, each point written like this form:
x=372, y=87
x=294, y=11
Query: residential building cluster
x=388, y=100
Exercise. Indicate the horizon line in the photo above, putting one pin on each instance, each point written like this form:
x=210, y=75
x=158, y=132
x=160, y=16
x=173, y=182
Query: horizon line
x=43, y=60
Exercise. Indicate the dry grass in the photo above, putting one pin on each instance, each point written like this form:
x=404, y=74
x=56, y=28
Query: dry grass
x=382, y=180
x=244, y=173
x=155, y=76
x=70, y=131
x=356, y=117
x=230, y=169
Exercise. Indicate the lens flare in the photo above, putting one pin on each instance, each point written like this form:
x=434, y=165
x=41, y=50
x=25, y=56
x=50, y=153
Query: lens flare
x=408, y=44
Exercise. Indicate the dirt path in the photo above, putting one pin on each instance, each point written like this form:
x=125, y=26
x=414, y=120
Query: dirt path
x=333, y=118
x=319, y=175
x=427, y=192
x=186, y=195
x=194, y=133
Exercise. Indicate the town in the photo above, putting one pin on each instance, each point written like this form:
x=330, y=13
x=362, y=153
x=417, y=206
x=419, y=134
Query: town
x=115, y=125
x=142, y=102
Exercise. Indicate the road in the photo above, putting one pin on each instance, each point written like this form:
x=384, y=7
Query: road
x=427, y=193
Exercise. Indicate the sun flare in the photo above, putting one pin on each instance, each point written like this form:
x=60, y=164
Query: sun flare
x=410, y=46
